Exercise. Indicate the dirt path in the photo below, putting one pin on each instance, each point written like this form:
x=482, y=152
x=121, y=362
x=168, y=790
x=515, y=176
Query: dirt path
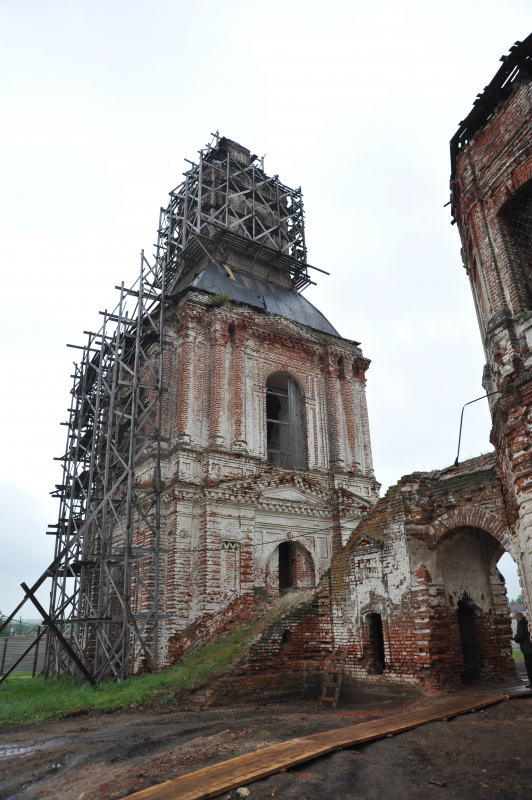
x=483, y=755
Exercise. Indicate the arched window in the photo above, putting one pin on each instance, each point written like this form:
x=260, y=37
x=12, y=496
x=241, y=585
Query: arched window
x=285, y=436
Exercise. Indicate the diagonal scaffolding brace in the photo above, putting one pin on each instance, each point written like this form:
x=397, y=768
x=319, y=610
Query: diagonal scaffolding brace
x=105, y=599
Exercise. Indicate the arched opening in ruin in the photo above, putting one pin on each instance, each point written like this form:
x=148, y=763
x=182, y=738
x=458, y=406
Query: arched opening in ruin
x=285, y=438
x=375, y=661
x=467, y=627
x=477, y=629
x=508, y=568
x=291, y=566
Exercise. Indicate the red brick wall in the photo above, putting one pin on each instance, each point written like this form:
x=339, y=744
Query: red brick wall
x=220, y=490
x=433, y=541
x=491, y=171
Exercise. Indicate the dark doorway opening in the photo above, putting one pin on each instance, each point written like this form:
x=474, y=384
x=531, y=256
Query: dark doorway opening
x=286, y=577
x=375, y=649
x=468, y=641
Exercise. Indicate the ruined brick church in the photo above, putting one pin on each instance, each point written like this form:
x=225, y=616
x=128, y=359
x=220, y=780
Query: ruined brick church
x=273, y=461
x=415, y=596
x=218, y=455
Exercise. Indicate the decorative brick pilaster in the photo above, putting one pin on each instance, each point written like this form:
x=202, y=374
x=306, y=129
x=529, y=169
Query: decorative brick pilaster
x=350, y=413
x=239, y=388
x=336, y=460
x=219, y=339
x=186, y=388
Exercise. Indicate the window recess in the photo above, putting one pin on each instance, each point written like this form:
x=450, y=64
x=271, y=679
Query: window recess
x=284, y=422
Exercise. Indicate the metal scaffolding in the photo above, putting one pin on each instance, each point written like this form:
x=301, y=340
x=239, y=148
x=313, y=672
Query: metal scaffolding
x=231, y=202
x=105, y=603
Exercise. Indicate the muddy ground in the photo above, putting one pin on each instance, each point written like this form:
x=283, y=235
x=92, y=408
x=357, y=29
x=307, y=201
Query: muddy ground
x=485, y=755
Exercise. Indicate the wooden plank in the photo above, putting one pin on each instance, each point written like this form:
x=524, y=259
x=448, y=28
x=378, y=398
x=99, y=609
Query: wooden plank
x=212, y=781
x=219, y=778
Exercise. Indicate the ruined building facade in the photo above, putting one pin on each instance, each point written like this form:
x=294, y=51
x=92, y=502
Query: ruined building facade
x=218, y=452
x=415, y=596
x=491, y=185
x=267, y=461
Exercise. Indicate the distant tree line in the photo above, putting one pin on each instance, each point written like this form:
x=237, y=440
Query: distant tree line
x=16, y=627
x=518, y=600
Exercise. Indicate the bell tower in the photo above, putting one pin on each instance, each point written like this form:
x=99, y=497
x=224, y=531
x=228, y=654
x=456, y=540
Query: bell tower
x=491, y=200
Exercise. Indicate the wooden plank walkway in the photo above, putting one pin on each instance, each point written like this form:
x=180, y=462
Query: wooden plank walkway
x=219, y=778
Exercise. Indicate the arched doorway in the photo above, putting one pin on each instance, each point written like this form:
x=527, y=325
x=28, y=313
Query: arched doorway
x=286, y=567
x=375, y=661
x=467, y=627
x=290, y=566
x=478, y=631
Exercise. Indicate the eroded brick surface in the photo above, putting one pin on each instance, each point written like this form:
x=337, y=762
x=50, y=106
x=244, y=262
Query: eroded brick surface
x=491, y=201
x=425, y=561
x=227, y=510
x=409, y=586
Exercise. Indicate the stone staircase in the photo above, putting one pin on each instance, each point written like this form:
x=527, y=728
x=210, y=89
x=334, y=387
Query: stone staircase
x=284, y=656
x=281, y=608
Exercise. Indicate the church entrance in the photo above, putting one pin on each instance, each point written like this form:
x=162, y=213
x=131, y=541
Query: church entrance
x=479, y=631
x=295, y=567
x=286, y=570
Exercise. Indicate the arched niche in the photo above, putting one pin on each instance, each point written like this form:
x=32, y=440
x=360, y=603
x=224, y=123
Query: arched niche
x=290, y=566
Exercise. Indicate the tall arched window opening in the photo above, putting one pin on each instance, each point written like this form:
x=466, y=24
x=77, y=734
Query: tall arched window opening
x=285, y=438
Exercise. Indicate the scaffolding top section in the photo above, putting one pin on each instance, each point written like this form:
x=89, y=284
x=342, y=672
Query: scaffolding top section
x=227, y=207
x=516, y=68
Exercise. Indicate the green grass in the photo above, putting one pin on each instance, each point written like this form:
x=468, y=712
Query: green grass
x=219, y=300
x=518, y=655
x=26, y=700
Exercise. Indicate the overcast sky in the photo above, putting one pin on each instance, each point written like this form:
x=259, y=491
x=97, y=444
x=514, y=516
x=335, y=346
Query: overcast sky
x=354, y=101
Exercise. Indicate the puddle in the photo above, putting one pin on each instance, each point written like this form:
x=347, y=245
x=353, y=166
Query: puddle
x=9, y=752
x=14, y=750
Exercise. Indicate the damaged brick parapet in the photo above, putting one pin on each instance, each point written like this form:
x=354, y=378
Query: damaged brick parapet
x=415, y=596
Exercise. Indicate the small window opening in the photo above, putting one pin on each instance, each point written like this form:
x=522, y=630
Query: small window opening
x=341, y=368
x=285, y=638
x=375, y=644
x=284, y=422
x=231, y=331
x=468, y=641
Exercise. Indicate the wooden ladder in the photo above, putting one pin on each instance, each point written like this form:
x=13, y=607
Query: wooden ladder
x=335, y=673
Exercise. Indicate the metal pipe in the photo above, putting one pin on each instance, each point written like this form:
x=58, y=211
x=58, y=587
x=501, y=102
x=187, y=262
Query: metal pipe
x=462, y=419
